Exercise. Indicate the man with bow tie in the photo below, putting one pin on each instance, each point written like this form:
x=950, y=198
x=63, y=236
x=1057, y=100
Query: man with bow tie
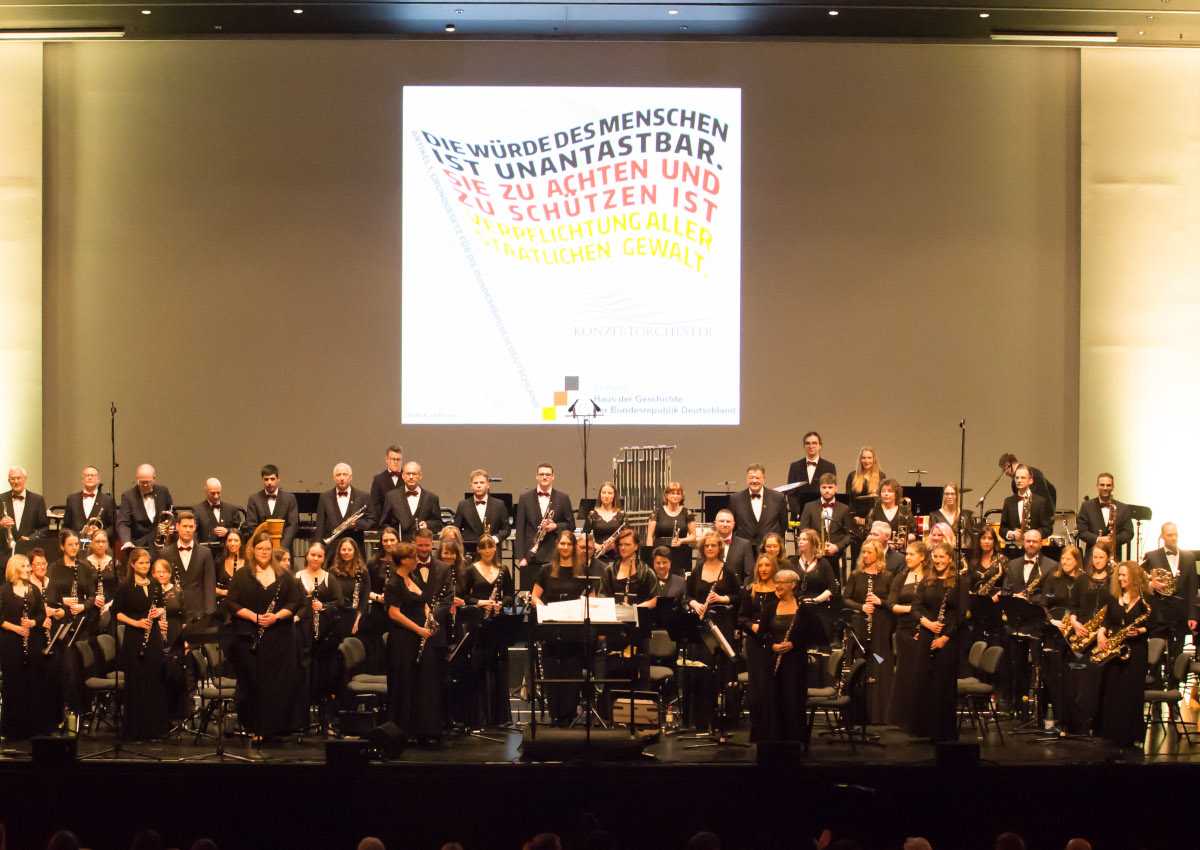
x=758, y=510
x=480, y=510
x=336, y=505
x=436, y=578
x=533, y=513
x=808, y=471
x=91, y=503
x=833, y=516
x=739, y=554
x=1096, y=515
x=192, y=568
x=141, y=505
x=23, y=516
x=411, y=507
x=215, y=517
x=1174, y=615
x=273, y=503
x=386, y=481
x=1041, y=511
x=1023, y=570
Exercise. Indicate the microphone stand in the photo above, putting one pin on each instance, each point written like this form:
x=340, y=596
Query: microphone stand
x=982, y=498
x=586, y=420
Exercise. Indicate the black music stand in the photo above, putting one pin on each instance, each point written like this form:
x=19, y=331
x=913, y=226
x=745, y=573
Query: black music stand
x=205, y=630
x=718, y=735
x=1140, y=514
x=1027, y=623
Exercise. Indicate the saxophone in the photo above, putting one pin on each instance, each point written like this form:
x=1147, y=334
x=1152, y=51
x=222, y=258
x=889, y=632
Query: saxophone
x=8, y=533
x=675, y=533
x=1092, y=626
x=1116, y=643
x=1032, y=586
x=986, y=588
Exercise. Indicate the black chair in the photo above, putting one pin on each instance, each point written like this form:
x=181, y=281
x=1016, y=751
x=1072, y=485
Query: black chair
x=101, y=686
x=216, y=692
x=663, y=651
x=1157, y=698
x=976, y=691
x=844, y=709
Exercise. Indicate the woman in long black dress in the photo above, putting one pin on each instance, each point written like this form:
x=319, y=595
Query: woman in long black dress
x=817, y=582
x=139, y=606
x=759, y=660
x=1090, y=602
x=628, y=580
x=1122, y=688
x=104, y=569
x=940, y=605
x=603, y=521
x=558, y=581
x=864, y=593
x=674, y=526
x=171, y=626
x=774, y=545
x=229, y=561
x=350, y=573
x=374, y=624
x=489, y=589
x=713, y=594
x=1061, y=681
x=783, y=634
x=902, y=600
x=861, y=485
x=26, y=693
x=315, y=621
x=961, y=522
x=262, y=599
x=892, y=510
x=406, y=603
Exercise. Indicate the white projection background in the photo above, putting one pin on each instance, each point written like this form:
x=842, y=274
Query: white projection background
x=564, y=244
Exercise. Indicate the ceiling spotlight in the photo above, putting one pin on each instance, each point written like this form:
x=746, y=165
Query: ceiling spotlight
x=1141, y=32
x=449, y=27
x=985, y=14
x=683, y=29
x=145, y=11
x=459, y=12
x=297, y=11
x=672, y=11
x=833, y=11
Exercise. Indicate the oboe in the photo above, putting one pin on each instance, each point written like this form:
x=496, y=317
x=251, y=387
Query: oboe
x=312, y=597
x=271, y=610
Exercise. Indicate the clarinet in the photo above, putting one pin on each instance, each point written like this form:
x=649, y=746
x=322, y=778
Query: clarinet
x=154, y=620
x=870, y=618
x=271, y=610
x=25, y=612
x=629, y=578
x=431, y=621
x=494, y=596
x=941, y=617
x=312, y=597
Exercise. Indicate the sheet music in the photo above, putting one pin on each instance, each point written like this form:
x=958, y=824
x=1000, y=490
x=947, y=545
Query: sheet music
x=603, y=610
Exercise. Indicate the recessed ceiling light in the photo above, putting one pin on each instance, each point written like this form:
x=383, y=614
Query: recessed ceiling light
x=449, y=27
x=1149, y=17
x=297, y=11
x=672, y=11
x=145, y=11
x=833, y=11
x=459, y=12
x=985, y=14
x=683, y=29
x=1141, y=32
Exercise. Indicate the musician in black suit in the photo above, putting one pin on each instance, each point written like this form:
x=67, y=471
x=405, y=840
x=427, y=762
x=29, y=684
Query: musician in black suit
x=834, y=515
x=1092, y=521
x=192, y=568
x=809, y=471
x=137, y=517
x=1041, y=486
x=1041, y=512
x=412, y=506
x=739, y=554
x=436, y=579
x=1018, y=575
x=335, y=506
x=1022, y=571
x=214, y=517
x=273, y=503
x=24, y=515
x=89, y=503
x=479, y=510
x=758, y=510
x=1177, y=614
x=670, y=585
x=386, y=481
x=532, y=510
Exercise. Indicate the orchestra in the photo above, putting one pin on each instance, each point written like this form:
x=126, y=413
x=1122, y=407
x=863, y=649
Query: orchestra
x=767, y=590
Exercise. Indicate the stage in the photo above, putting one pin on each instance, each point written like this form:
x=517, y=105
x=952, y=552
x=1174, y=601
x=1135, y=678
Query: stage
x=485, y=795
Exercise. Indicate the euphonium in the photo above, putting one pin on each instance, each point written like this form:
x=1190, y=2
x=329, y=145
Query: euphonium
x=162, y=528
x=1116, y=643
x=1092, y=627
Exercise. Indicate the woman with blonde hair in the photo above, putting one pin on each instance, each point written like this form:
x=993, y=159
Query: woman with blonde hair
x=871, y=624
x=25, y=697
x=902, y=599
x=758, y=660
x=1122, y=689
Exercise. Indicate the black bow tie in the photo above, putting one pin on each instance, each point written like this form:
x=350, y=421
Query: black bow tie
x=1031, y=562
x=481, y=501
x=18, y=498
x=1172, y=551
x=756, y=495
x=812, y=463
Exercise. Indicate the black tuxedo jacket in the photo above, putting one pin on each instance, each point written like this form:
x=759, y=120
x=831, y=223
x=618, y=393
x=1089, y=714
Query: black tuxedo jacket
x=673, y=587
x=529, y=517
x=1040, y=486
x=206, y=520
x=199, y=580
x=774, y=515
x=894, y=562
x=1187, y=583
x=285, y=509
x=397, y=514
x=1041, y=517
x=329, y=516
x=839, y=527
x=104, y=506
x=809, y=490
x=133, y=526
x=34, y=523
x=381, y=485
x=441, y=589
x=1090, y=525
x=466, y=520
x=1014, y=576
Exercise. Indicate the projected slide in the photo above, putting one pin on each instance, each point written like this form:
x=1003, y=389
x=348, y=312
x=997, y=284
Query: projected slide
x=564, y=244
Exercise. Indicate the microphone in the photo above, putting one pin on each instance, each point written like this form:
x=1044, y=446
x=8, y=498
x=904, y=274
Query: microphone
x=571, y=409
x=595, y=407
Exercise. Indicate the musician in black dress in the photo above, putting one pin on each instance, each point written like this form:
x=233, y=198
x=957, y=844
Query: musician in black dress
x=104, y=569
x=375, y=624
x=861, y=485
x=1090, y=602
x=986, y=560
x=674, y=526
x=72, y=590
x=1123, y=685
x=230, y=559
x=817, y=582
x=892, y=510
x=557, y=581
x=774, y=546
x=759, y=659
x=603, y=521
x=316, y=619
x=863, y=594
x=53, y=671
x=489, y=590
x=1062, y=681
x=783, y=630
x=629, y=581
x=350, y=574
x=262, y=598
x=171, y=626
x=139, y=607
x=902, y=600
x=714, y=594
x=406, y=603
x=26, y=695
x=951, y=513
x=940, y=607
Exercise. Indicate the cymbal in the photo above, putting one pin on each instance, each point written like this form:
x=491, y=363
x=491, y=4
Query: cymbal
x=967, y=489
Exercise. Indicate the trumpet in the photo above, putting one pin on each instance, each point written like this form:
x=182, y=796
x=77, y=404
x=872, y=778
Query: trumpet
x=346, y=523
x=162, y=528
x=541, y=532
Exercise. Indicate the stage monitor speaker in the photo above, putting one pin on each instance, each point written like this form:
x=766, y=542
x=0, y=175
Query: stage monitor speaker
x=349, y=755
x=357, y=724
x=53, y=750
x=387, y=740
x=553, y=744
x=957, y=754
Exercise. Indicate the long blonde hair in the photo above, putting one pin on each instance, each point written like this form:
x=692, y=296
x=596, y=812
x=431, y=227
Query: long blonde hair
x=871, y=477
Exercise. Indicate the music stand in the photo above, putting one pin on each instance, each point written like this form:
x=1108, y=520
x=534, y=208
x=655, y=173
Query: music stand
x=711, y=635
x=1140, y=514
x=206, y=629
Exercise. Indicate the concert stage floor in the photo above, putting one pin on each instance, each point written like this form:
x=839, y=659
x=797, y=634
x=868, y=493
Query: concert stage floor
x=483, y=794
